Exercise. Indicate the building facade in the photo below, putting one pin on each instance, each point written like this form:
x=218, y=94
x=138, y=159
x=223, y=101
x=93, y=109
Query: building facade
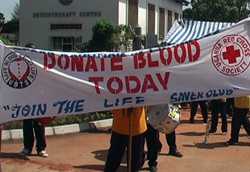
x=65, y=24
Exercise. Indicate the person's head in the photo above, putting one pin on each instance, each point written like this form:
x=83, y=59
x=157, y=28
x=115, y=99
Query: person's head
x=30, y=45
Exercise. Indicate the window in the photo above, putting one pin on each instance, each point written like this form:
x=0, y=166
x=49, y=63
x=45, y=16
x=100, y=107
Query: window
x=176, y=16
x=133, y=13
x=169, y=20
x=162, y=23
x=65, y=26
x=63, y=43
x=151, y=18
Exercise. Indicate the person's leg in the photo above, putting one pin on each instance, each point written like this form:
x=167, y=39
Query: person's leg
x=118, y=144
x=40, y=136
x=223, y=112
x=153, y=145
x=28, y=135
x=194, y=106
x=229, y=106
x=214, y=114
x=204, y=110
x=137, y=152
x=171, y=140
x=235, y=126
x=245, y=121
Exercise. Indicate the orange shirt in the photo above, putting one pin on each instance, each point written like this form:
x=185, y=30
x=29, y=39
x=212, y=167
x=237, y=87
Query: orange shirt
x=121, y=121
x=242, y=102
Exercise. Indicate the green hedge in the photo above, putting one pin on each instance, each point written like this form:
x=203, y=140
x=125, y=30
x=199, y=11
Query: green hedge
x=66, y=120
x=5, y=41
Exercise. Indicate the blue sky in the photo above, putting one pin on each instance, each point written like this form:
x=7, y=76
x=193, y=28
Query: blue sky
x=6, y=7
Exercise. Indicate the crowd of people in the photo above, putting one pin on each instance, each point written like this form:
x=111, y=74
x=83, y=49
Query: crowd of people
x=237, y=107
x=143, y=132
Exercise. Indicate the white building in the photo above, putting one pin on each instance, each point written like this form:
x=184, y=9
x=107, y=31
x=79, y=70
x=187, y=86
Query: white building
x=65, y=24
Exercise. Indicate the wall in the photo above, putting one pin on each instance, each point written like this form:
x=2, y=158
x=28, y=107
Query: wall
x=122, y=19
x=37, y=30
x=142, y=16
x=166, y=4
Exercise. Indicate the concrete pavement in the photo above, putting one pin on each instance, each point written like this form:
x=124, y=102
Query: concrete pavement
x=86, y=152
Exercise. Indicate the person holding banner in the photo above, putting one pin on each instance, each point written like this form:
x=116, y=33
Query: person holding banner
x=204, y=110
x=28, y=137
x=241, y=109
x=171, y=141
x=154, y=146
x=161, y=118
x=230, y=106
x=39, y=130
x=218, y=106
x=120, y=138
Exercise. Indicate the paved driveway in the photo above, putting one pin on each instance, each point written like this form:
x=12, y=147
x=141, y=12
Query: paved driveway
x=86, y=152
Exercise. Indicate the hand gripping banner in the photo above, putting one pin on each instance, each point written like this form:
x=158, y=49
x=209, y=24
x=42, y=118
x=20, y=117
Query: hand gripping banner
x=38, y=83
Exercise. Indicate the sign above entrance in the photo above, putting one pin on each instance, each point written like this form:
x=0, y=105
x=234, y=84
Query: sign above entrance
x=67, y=14
x=65, y=2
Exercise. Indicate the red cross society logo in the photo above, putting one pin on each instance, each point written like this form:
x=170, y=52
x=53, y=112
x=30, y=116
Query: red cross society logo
x=18, y=71
x=231, y=55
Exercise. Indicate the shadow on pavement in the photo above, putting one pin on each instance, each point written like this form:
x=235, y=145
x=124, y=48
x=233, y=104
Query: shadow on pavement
x=99, y=167
x=215, y=145
x=145, y=169
x=91, y=167
x=243, y=135
x=100, y=154
x=13, y=156
x=187, y=121
x=191, y=133
x=162, y=154
x=208, y=145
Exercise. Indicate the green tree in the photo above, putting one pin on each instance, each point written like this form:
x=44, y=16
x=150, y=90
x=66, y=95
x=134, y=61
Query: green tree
x=15, y=13
x=123, y=37
x=107, y=37
x=12, y=26
x=102, y=39
x=2, y=19
x=217, y=10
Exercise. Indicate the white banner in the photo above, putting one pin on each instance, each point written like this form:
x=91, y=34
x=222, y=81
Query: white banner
x=39, y=83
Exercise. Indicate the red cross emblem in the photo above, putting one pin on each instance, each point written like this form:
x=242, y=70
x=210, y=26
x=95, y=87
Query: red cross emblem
x=231, y=54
